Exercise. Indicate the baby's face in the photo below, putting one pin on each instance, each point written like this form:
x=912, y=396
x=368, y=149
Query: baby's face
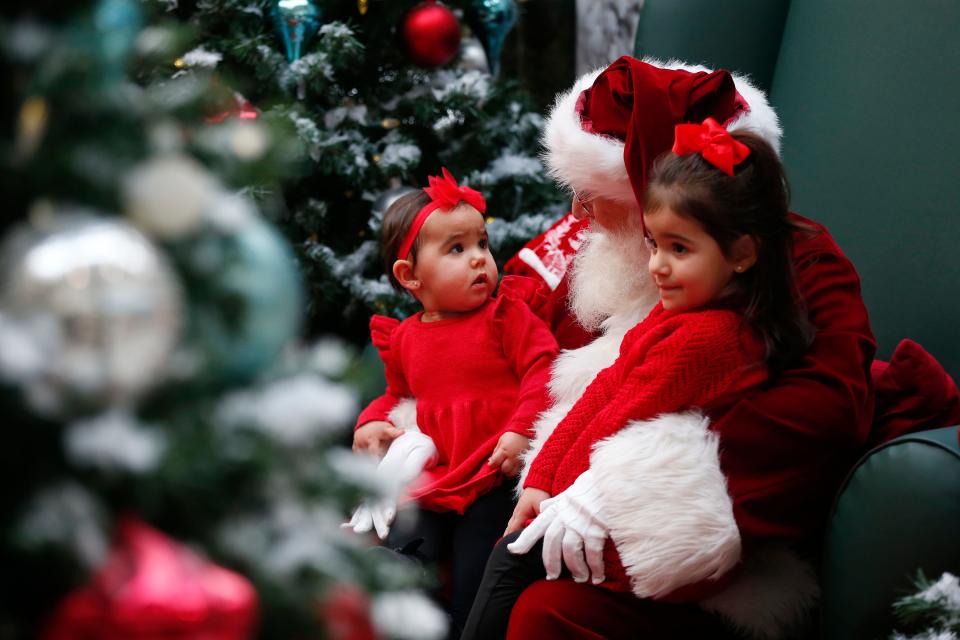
x=454, y=265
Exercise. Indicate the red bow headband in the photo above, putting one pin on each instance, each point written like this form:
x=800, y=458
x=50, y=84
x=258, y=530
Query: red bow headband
x=713, y=142
x=445, y=194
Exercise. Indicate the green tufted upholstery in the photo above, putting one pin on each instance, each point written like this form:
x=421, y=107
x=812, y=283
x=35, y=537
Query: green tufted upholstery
x=899, y=511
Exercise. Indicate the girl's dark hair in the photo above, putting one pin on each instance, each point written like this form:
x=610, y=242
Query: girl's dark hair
x=753, y=202
x=396, y=222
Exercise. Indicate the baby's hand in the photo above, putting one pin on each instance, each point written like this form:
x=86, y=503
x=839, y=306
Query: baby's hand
x=375, y=437
x=506, y=455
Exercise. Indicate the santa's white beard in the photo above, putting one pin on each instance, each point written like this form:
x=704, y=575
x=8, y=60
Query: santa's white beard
x=609, y=275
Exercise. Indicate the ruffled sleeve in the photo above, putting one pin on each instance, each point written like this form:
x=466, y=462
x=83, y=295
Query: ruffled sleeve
x=384, y=333
x=529, y=349
x=533, y=293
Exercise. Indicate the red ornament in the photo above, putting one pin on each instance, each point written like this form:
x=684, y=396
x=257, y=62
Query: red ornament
x=345, y=612
x=431, y=34
x=151, y=587
x=241, y=108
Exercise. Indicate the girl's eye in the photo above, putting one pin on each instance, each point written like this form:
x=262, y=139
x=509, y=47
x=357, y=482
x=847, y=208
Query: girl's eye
x=483, y=243
x=679, y=248
x=457, y=248
x=650, y=242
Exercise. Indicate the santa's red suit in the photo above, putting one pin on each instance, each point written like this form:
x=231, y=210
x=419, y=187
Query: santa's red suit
x=781, y=452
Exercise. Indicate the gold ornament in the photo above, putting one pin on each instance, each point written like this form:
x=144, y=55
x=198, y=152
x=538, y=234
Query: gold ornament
x=389, y=123
x=376, y=157
x=362, y=7
x=31, y=125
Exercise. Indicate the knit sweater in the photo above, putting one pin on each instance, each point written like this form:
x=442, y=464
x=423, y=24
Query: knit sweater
x=667, y=363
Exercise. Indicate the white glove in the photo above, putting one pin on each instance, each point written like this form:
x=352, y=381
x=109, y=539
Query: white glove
x=408, y=455
x=574, y=532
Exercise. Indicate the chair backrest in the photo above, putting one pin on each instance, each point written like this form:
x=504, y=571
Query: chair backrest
x=868, y=95
x=743, y=35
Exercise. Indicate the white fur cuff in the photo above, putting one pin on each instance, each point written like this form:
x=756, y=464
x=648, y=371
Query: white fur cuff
x=666, y=501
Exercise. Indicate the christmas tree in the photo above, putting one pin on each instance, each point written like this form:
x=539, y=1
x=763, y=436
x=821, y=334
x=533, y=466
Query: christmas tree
x=172, y=463
x=381, y=94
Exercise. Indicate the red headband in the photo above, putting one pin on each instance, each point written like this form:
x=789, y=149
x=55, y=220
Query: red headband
x=713, y=142
x=444, y=194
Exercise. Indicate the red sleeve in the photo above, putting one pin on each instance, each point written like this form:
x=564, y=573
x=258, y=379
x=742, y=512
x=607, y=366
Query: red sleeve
x=688, y=361
x=785, y=450
x=384, y=333
x=529, y=349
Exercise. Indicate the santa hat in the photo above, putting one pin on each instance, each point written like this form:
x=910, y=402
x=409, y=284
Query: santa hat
x=603, y=135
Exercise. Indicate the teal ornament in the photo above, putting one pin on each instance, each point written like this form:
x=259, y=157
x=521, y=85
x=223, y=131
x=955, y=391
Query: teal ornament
x=296, y=21
x=491, y=21
x=117, y=24
x=243, y=288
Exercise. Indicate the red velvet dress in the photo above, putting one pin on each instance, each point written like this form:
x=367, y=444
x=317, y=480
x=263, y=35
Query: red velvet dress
x=474, y=378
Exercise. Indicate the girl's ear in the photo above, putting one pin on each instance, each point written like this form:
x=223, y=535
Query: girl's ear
x=743, y=254
x=403, y=272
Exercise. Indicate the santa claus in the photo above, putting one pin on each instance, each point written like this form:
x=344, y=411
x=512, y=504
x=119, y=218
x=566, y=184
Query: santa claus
x=714, y=518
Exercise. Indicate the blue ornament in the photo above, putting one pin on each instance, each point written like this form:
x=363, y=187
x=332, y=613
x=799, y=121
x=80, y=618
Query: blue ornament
x=296, y=21
x=245, y=300
x=491, y=21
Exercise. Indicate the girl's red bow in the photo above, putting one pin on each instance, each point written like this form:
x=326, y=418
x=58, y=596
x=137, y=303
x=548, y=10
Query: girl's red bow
x=445, y=194
x=713, y=142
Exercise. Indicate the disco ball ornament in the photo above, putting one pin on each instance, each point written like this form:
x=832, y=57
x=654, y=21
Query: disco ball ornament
x=491, y=21
x=94, y=311
x=431, y=34
x=386, y=198
x=244, y=293
x=296, y=22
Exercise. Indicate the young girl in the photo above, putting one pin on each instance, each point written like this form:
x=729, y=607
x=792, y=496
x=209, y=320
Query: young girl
x=715, y=221
x=477, y=367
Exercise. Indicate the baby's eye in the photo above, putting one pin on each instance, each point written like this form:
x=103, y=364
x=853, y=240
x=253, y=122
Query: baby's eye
x=483, y=243
x=650, y=242
x=457, y=248
x=679, y=248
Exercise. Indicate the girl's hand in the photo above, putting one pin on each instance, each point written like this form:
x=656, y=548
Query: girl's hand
x=528, y=506
x=374, y=437
x=506, y=455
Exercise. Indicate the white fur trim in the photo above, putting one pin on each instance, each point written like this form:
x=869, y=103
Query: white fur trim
x=666, y=502
x=404, y=415
x=774, y=592
x=594, y=163
x=587, y=162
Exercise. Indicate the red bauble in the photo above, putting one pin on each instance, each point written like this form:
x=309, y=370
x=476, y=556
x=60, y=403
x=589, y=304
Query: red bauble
x=152, y=587
x=431, y=34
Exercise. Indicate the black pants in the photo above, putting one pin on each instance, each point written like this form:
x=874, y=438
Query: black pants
x=459, y=544
x=505, y=578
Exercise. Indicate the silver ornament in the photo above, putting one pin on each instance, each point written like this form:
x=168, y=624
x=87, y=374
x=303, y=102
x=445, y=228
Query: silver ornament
x=94, y=309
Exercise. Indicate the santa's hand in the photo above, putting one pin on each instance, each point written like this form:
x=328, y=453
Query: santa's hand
x=408, y=455
x=406, y=458
x=574, y=532
x=372, y=515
